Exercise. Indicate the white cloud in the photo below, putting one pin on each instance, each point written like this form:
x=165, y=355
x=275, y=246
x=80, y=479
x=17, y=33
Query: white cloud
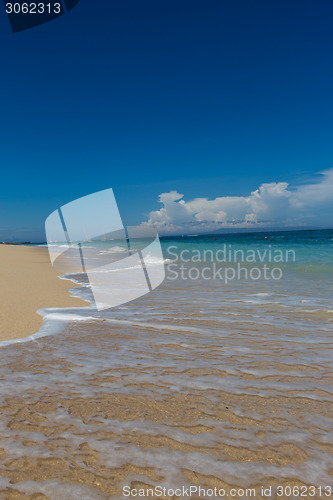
x=272, y=204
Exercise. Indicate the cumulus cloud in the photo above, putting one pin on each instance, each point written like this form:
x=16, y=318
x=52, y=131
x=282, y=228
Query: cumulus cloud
x=274, y=204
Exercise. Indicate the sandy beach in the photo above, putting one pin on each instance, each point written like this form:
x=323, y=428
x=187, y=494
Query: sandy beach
x=29, y=283
x=163, y=392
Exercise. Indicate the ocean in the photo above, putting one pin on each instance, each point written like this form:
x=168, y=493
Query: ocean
x=221, y=376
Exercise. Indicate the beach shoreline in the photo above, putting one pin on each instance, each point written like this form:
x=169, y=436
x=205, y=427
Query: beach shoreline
x=196, y=383
x=28, y=284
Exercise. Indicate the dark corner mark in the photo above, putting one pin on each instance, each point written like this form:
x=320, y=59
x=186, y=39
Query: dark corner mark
x=70, y=4
x=26, y=14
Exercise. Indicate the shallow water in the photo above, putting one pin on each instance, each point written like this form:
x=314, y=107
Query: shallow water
x=199, y=382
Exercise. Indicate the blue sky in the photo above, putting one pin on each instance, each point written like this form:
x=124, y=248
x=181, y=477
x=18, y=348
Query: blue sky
x=209, y=99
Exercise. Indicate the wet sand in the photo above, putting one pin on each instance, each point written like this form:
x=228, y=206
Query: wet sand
x=28, y=283
x=81, y=433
